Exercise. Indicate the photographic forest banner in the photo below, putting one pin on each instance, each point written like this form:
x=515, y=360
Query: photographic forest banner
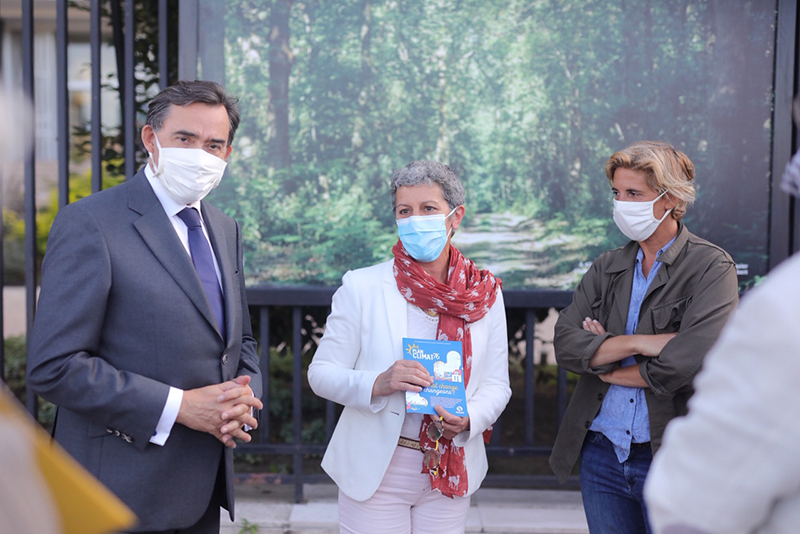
x=524, y=99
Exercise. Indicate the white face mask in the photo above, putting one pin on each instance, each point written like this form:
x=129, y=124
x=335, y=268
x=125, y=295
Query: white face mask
x=188, y=174
x=636, y=219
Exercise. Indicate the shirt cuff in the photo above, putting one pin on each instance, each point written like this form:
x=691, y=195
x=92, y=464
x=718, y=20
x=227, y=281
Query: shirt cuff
x=168, y=416
x=245, y=426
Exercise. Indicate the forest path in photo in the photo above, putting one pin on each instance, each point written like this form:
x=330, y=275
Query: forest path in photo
x=524, y=252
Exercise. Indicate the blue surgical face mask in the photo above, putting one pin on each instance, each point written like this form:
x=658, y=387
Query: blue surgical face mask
x=424, y=236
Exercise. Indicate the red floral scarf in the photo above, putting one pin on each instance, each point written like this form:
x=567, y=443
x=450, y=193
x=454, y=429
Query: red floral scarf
x=466, y=297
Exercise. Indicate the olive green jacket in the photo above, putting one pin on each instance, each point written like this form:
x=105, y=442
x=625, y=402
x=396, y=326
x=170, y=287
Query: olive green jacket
x=694, y=292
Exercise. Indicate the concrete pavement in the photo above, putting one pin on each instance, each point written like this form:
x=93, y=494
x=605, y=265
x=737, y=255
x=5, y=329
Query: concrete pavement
x=272, y=510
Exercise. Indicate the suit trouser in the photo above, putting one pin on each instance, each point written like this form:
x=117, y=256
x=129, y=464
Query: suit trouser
x=209, y=522
x=404, y=503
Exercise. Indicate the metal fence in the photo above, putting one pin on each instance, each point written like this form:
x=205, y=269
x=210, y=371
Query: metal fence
x=267, y=302
x=299, y=300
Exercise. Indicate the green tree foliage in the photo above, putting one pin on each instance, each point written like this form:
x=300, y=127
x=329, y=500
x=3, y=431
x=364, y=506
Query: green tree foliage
x=14, y=225
x=524, y=99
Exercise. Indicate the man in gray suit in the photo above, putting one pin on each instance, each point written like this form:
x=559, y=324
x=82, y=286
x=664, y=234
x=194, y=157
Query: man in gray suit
x=142, y=336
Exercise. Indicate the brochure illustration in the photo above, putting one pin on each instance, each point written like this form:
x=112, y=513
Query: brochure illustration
x=444, y=361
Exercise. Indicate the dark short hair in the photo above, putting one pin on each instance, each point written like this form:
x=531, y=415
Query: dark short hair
x=184, y=93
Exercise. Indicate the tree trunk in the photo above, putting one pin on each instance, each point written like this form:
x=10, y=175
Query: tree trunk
x=280, y=67
x=366, y=94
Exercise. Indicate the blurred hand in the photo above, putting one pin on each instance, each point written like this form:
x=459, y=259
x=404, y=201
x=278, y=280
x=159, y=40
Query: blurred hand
x=593, y=326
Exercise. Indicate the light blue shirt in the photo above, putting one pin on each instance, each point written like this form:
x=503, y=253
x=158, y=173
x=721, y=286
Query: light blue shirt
x=623, y=417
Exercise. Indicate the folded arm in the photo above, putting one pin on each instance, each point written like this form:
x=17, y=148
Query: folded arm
x=712, y=300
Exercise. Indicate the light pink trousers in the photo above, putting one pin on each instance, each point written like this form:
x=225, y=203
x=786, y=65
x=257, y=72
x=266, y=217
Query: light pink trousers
x=404, y=503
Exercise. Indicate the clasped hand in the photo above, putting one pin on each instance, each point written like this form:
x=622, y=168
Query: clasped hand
x=221, y=410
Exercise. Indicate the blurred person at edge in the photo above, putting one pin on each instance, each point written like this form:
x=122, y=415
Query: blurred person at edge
x=428, y=290
x=731, y=465
x=641, y=321
x=26, y=504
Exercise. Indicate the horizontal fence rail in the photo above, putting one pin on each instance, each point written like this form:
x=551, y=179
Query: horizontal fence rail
x=267, y=302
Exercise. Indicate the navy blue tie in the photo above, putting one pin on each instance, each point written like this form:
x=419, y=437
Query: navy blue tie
x=204, y=263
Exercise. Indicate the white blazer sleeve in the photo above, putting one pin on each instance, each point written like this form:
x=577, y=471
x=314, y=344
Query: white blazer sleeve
x=333, y=372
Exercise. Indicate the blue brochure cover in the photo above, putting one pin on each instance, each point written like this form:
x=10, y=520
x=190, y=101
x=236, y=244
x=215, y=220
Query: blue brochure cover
x=444, y=361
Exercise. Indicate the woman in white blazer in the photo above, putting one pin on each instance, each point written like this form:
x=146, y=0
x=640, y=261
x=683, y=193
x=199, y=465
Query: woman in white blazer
x=393, y=474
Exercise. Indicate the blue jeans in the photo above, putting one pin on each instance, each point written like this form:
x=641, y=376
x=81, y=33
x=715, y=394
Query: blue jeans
x=613, y=492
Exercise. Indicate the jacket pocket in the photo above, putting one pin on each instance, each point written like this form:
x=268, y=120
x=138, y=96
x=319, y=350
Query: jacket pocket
x=667, y=317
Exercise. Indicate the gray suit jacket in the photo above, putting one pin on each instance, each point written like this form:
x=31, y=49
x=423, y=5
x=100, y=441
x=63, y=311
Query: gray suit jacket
x=123, y=316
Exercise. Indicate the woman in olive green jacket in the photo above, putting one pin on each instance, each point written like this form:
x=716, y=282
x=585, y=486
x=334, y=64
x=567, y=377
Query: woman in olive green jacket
x=640, y=323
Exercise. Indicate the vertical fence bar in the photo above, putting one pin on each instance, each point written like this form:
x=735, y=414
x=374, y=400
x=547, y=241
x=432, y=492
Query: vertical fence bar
x=297, y=407
x=30, y=191
x=263, y=423
x=62, y=22
x=163, y=45
x=2, y=258
x=783, y=234
x=188, y=15
x=530, y=375
x=119, y=47
x=97, y=119
x=129, y=112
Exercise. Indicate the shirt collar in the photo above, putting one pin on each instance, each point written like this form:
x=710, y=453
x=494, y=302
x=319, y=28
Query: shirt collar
x=167, y=202
x=640, y=253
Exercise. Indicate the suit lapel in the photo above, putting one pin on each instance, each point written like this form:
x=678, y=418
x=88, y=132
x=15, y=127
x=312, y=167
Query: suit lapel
x=396, y=313
x=227, y=271
x=158, y=234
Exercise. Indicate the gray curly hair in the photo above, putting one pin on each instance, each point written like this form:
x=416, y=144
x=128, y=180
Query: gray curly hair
x=429, y=173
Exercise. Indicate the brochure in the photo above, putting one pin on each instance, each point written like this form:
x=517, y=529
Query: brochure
x=444, y=361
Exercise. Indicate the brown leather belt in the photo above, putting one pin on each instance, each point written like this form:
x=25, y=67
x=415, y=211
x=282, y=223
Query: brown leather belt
x=409, y=444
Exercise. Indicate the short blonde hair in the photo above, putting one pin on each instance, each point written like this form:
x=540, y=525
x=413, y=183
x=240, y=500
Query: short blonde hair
x=664, y=167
